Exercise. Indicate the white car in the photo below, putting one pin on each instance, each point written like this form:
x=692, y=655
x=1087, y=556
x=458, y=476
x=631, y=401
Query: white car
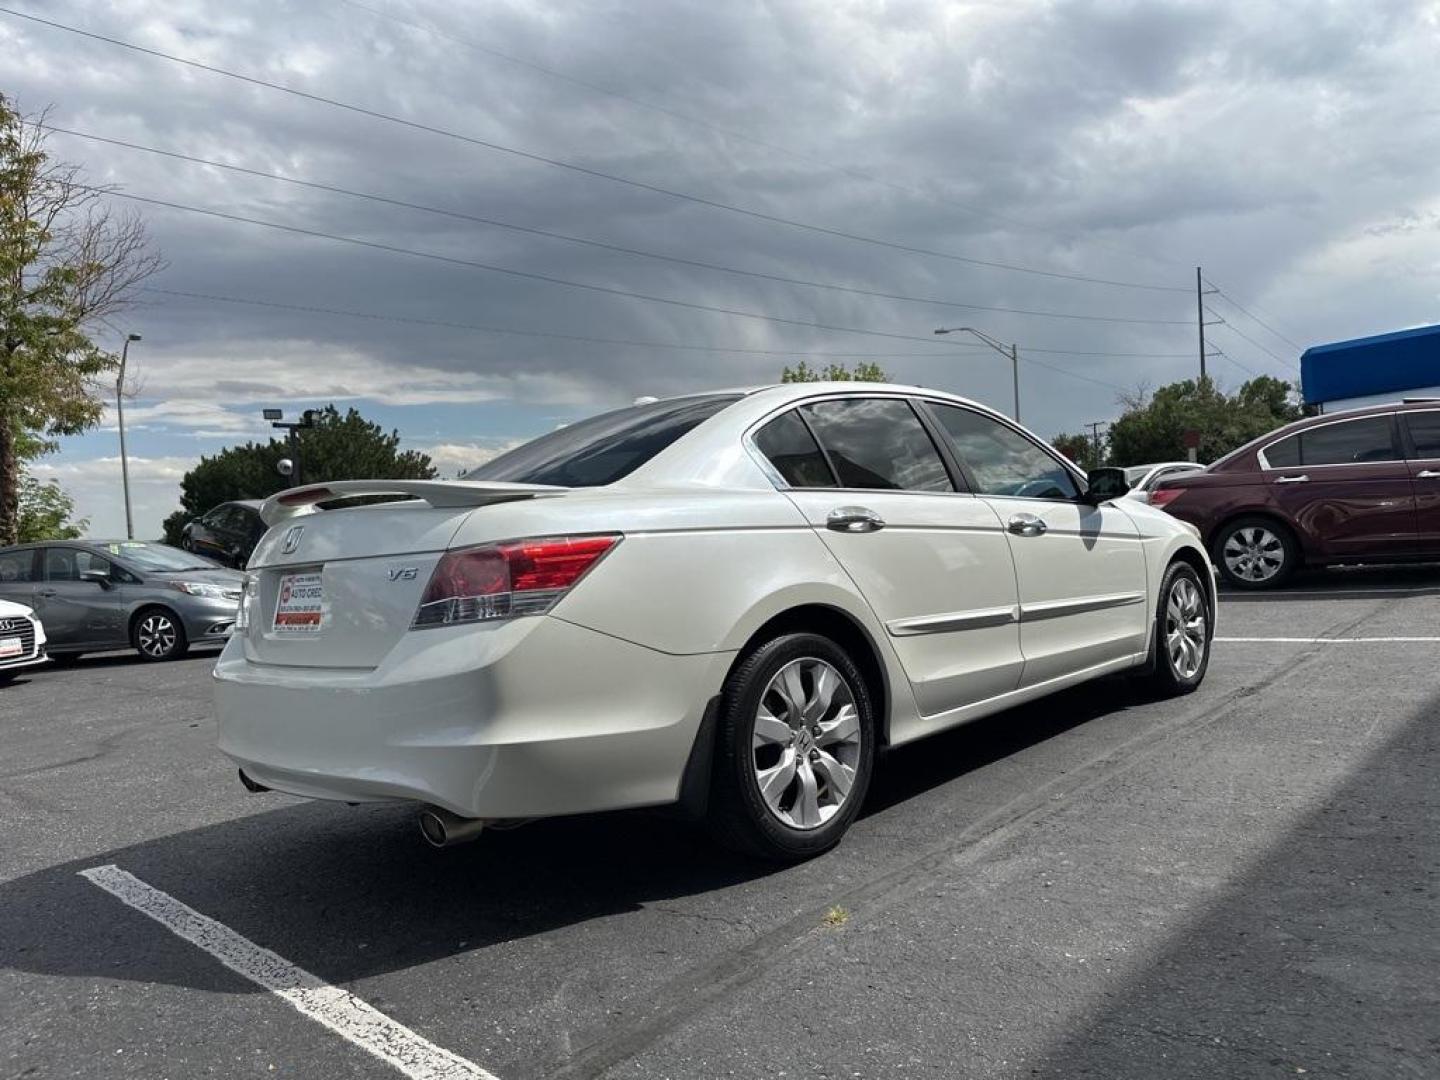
x=1143, y=478
x=727, y=600
x=22, y=639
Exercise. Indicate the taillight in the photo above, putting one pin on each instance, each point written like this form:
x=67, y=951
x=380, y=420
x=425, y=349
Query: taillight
x=1163, y=497
x=521, y=577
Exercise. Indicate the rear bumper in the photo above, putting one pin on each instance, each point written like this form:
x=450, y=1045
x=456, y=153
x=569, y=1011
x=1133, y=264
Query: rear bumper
x=527, y=718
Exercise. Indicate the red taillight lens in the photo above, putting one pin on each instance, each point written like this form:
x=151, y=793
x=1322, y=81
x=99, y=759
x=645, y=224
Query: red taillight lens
x=522, y=577
x=1163, y=497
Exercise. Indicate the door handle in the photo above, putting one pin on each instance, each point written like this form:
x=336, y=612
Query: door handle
x=854, y=519
x=1026, y=525
x=1427, y=474
x=1301, y=479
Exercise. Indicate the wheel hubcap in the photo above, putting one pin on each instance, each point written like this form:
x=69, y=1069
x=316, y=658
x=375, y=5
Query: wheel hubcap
x=157, y=635
x=1185, y=628
x=1254, y=553
x=806, y=747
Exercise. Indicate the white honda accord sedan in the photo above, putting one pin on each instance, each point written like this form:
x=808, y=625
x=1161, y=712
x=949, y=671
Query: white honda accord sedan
x=729, y=601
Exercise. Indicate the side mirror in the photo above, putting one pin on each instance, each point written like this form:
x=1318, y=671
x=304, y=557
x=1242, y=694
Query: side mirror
x=99, y=577
x=1105, y=484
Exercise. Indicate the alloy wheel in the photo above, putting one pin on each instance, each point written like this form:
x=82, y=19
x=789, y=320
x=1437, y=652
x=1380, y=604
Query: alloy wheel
x=156, y=635
x=1185, y=627
x=807, y=743
x=1253, y=553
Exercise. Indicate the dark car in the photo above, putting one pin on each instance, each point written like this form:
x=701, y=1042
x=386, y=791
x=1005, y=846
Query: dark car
x=93, y=595
x=1358, y=486
x=228, y=533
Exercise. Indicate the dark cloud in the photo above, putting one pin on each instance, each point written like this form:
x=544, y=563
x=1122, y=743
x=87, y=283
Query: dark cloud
x=1276, y=144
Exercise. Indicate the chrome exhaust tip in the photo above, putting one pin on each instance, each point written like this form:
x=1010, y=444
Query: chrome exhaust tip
x=441, y=828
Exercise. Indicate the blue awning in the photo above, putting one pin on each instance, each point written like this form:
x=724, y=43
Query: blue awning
x=1383, y=364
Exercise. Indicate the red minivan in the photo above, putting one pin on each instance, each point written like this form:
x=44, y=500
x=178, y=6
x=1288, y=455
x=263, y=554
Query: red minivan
x=1357, y=486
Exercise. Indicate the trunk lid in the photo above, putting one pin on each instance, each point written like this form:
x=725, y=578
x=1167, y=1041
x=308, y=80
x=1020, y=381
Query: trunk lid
x=338, y=588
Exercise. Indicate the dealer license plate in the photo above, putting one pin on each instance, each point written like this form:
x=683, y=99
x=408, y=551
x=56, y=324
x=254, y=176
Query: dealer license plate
x=300, y=607
x=11, y=646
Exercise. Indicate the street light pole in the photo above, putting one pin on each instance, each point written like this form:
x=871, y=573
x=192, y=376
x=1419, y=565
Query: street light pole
x=1012, y=351
x=120, y=415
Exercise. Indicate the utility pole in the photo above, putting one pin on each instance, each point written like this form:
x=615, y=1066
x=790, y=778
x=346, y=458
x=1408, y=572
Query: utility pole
x=120, y=416
x=1200, y=316
x=1095, y=426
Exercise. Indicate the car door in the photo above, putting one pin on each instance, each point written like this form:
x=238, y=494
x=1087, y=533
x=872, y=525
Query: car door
x=1422, y=431
x=1346, y=486
x=1080, y=568
x=930, y=560
x=207, y=536
x=75, y=611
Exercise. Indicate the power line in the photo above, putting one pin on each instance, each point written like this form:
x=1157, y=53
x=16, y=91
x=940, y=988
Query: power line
x=1221, y=292
x=1241, y=334
x=1221, y=352
x=729, y=133
x=621, y=249
x=629, y=342
x=582, y=169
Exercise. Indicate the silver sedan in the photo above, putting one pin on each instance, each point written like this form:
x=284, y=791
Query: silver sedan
x=94, y=595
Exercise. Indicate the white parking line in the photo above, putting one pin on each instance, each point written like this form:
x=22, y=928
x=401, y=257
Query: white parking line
x=1322, y=640
x=337, y=1009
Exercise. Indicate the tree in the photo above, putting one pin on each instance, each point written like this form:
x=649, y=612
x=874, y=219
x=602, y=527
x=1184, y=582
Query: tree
x=67, y=265
x=803, y=372
x=1078, y=448
x=45, y=512
x=347, y=447
x=1152, y=427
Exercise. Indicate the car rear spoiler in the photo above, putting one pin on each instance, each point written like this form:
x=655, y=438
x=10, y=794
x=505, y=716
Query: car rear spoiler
x=441, y=494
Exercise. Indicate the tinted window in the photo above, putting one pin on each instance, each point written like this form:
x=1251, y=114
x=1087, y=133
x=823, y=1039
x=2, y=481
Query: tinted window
x=1355, y=441
x=17, y=566
x=604, y=448
x=788, y=445
x=1285, y=454
x=1003, y=461
x=878, y=443
x=1425, y=431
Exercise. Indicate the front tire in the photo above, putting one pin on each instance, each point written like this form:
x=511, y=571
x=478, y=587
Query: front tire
x=1180, y=653
x=795, y=747
x=158, y=635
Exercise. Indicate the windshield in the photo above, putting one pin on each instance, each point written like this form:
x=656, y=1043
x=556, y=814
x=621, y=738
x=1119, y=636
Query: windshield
x=143, y=556
x=604, y=448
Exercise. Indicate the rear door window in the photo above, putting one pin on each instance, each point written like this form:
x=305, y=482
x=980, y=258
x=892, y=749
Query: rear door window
x=878, y=443
x=788, y=445
x=1355, y=442
x=17, y=567
x=1424, y=433
x=604, y=448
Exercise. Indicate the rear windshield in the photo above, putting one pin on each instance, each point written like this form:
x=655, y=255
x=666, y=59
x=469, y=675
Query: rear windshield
x=604, y=448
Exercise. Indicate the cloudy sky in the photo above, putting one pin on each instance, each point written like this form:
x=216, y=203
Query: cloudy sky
x=1072, y=158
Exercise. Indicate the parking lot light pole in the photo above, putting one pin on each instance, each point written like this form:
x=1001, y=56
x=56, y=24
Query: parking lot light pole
x=120, y=415
x=1011, y=350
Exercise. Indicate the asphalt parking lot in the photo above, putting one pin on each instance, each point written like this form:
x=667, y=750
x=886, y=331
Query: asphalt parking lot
x=1239, y=883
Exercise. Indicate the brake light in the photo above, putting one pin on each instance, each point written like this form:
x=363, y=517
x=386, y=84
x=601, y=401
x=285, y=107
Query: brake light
x=1163, y=497
x=502, y=581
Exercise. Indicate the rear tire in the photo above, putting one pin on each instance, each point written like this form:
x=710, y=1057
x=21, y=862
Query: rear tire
x=1255, y=552
x=794, y=749
x=1180, y=650
x=158, y=635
